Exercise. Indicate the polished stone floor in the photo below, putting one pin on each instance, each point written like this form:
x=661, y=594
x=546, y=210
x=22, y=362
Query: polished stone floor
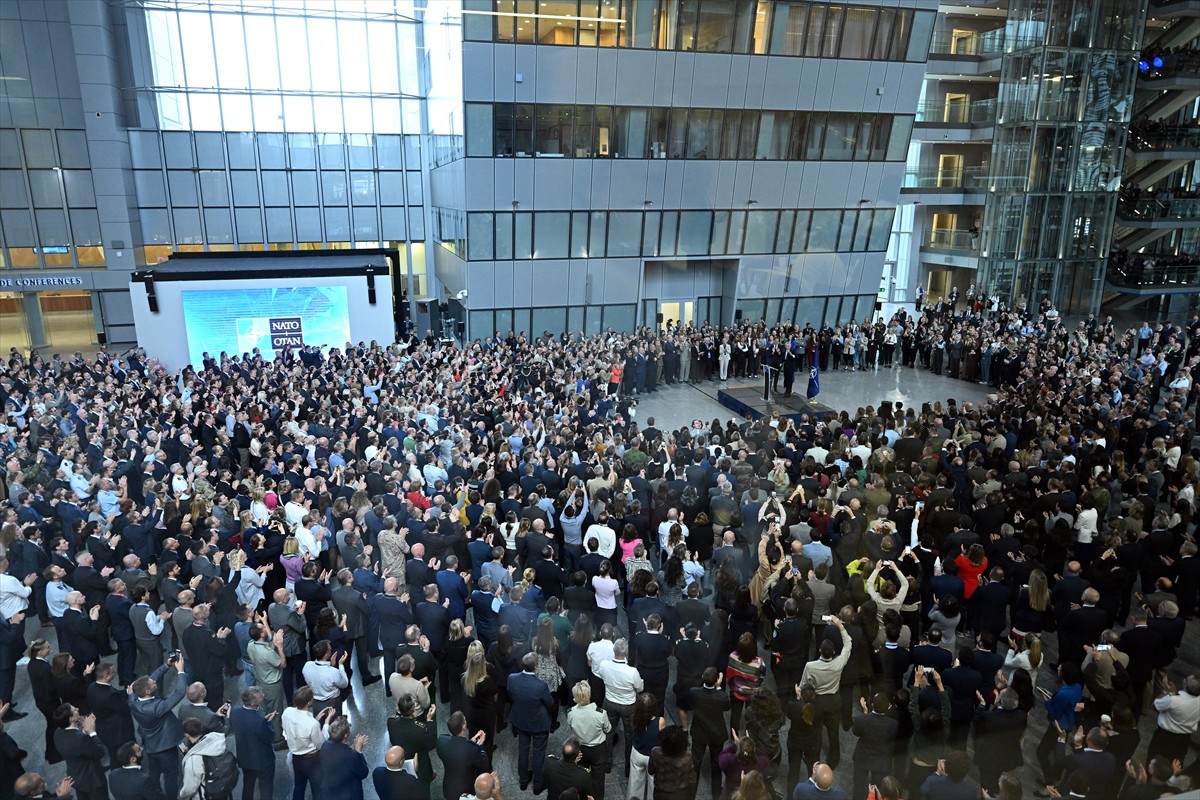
x=672, y=407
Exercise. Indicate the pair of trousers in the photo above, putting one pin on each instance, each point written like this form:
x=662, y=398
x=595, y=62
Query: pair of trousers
x=699, y=747
x=624, y=715
x=164, y=765
x=641, y=782
x=264, y=778
x=127, y=654
x=305, y=770
x=531, y=758
x=829, y=708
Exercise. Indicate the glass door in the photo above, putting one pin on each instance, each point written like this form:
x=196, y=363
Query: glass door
x=677, y=312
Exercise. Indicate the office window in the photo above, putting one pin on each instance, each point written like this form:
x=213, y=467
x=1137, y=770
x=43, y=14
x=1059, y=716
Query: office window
x=862, y=231
x=800, y=232
x=670, y=229
x=479, y=133
x=597, y=143
x=885, y=40
x=823, y=231
x=638, y=30
x=881, y=229
x=631, y=127
x=677, y=134
x=695, y=231
x=522, y=235
x=814, y=140
x=774, y=128
x=787, y=29
x=523, y=124
x=597, y=234
x=183, y=188
x=554, y=127
x=918, y=37
x=846, y=234
x=841, y=133
x=557, y=23
x=480, y=236
x=579, y=234
x=783, y=233
x=504, y=236
x=552, y=233
x=897, y=148
x=624, y=233
x=44, y=185
x=760, y=231
x=279, y=225
x=715, y=26
x=704, y=133
x=621, y=318
x=720, y=233
x=859, y=30
x=650, y=229
x=553, y=320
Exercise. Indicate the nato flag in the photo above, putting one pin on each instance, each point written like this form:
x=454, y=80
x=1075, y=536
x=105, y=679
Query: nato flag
x=814, y=382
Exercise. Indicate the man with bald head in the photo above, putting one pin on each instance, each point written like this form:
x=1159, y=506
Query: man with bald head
x=82, y=629
x=393, y=615
x=1081, y=627
x=487, y=787
x=283, y=617
x=819, y=786
x=393, y=780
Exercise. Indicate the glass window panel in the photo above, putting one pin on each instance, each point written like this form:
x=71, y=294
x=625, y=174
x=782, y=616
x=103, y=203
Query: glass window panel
x=638, y=30
x=760, y=231
x=597, y=234
x=337, y=225
x=358, y=116
x=362, y=188
x=304, y=189
x=881, y=229
x=814, y=138
x=187, y=226
x=884, y=37
x=279, y=225
x=523, y=235
x=575, y=319
x=480, y=235
x=526, y=27
x=551, y=233
x=823, y=232
x=715, y=27
x=523, y=133
x=43, y=183
x=505, y=20
x=622, y=318
x=479, y=133
x=730, y=128
x=549, y=320
x=293, y=57
x=504, y=236
x=504, y=118
x=218, y=227
x=624, y=233
x=149, y=187
x=859, y=28
x=52, y=228
x=413, y=187
x=178, y=149
x=210, y=151
x=787, y=29
x=85, y=227
x=650, y=230
x=520, y=321
x=658, y=132
x=748, y=144
x=579, y=235
x=862, y=231
x=333, y=188
x=18, y=228
x=783, y=235
x=688, y=11
x=695, y=229
x=833, y=31
x=552, y=122
x=308, y=225
x=897, y=148
x=156, y=225
x=263, y=55
x=677, y=136
x=631, y=133
x=593, y=320
x=245, y=188
x=814, y=34
x=787, y=312
x=504, y=320
x=720, y=232
x=800, y=232
x=774, y=128
x=867, y=125
x=846, y=234
x=236, y=113
x=558, y=22
x=39, y=148
x=332, y=151
x=249, y=224
x=737, y=230
x=275, y=188
x=594, y=131
x=772, y=313
x=810, y=310
x=302, y=150
x=918, y=37
x=610, y=28
x=840, y=133
x=865, y=307
x=366, y=226
x=272, y=151
x=214, y=187
x=704, y=133
x=666, y=239
x=183, y=188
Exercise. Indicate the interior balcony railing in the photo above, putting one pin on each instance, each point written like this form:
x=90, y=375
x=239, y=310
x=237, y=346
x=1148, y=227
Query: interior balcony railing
x=952, y=239
x=982, y=44
x=976, y=112
x=962, y=179
x=1145, y=140
x=1183, y=209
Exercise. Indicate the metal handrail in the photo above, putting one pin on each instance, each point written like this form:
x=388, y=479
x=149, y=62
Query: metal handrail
x=953, y=239
x=970, y=178
x=976, y=112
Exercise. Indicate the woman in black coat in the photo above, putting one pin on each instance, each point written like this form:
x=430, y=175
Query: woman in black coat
x=45, y=697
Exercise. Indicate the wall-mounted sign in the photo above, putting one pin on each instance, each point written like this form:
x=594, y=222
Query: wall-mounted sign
x=38, y=283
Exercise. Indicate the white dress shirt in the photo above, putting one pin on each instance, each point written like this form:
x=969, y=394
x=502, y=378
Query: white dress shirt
x=303, y=733
x=621, y=682
x=598, y=652
x=325, y=679
x=14, y=596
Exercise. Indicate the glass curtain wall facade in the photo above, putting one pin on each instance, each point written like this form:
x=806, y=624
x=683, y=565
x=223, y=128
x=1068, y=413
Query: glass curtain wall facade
x=1065, y=99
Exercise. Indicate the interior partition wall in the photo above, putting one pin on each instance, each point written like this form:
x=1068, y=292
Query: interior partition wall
x=1065, y=99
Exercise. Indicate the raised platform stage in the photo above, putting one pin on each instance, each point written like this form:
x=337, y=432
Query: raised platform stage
x=747, y=401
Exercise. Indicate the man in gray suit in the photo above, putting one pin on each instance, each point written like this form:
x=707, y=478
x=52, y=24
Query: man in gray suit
x=196, y=707
x=350, y=602
x=295, y=633
x=160, y=730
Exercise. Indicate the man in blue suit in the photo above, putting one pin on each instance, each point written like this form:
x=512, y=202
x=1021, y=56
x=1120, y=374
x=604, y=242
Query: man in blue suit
x=117, y=605
x=159, y=727
x=255, y=735
x=343, y=766
x=530, y=718
x=394, y=615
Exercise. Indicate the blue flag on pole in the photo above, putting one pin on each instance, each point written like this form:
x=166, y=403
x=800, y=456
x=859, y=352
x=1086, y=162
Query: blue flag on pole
x=814, y=382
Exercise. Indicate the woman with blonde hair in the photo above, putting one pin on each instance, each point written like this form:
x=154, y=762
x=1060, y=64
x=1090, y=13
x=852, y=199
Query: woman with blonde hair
x=457, y=645
x=1025, y=654
x=480, y=695
x=591, y=726
x=292, y=562
x=1032, y=606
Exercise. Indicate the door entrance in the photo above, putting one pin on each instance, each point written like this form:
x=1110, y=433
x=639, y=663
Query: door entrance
x=59, y=319
x=677, y=312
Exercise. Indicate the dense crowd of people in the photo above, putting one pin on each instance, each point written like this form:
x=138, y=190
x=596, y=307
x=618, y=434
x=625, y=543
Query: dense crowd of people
x=1157, y=134
x=491, y=541
x=1166, y=62
x=1174, y=268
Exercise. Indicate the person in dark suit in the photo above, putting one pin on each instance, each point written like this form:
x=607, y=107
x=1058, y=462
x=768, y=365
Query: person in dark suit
x=549, y=575
x=83, y=754
x=158, y=726
x=128, y=779
x=433, y=617
x=962, y=682
x=1142, y=645
x=392, y=611
x=1080, y=627
x=82, y=629
x=117, y=605
x=989, y=604
x=998, y=733
x=89, y=579
x=393, y=780
x=930, y=653
x=580, y=598
x=114, y=723
x=893, y=661
x=463, y=758
x=1091, y=760
x=710, y=706
x=254, y=734
x=343, y=767
x=693, y=610
x=41, y=682
x=413, y=729
x=652, y=652
x=532, y=706
x=986, y=661
x=873, y=752
x=206, y=650
x=350, y=602
x=567, y=772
